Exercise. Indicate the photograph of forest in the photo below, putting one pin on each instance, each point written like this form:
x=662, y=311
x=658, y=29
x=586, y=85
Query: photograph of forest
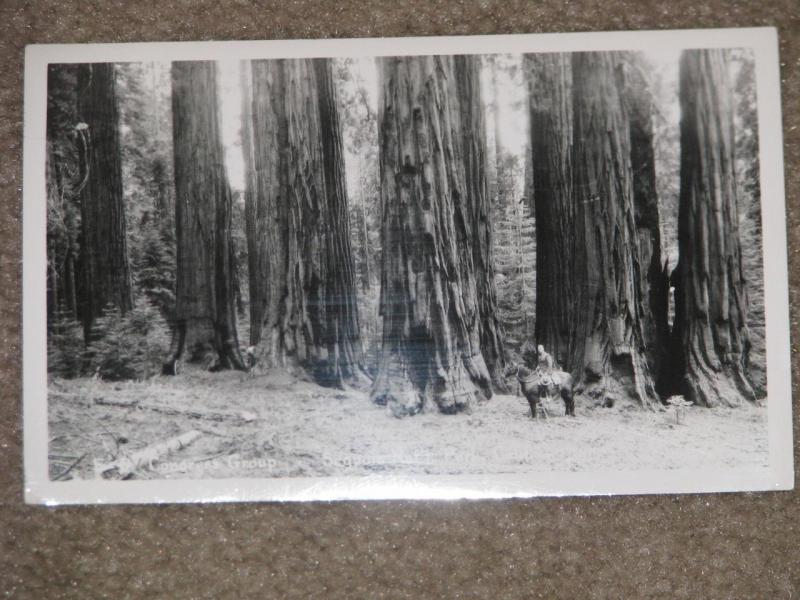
x=442, y=264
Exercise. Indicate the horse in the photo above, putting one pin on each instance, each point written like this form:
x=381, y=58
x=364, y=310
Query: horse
x=539, y=384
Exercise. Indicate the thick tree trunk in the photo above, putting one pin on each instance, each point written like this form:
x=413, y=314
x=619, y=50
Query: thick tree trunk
x=340, y=326
x=527, y=189
x=653, y=277
x=608, y=353
x=551, y=129
x=53, y=281
x=104, y=253
x=255, y=219
x=301, y=228
x=431, y=353
x=497, y=130
x=710, y=332
x=472, y=132
x=205, y=306
x=364, y=240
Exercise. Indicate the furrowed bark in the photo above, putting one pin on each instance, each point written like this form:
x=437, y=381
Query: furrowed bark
x=302, y=246
x=341, y=332
x=551, y=130
x=431, y=355
x=205, y=303
x=653, y=277
x=710, y=335
x=104, y=262
x=473, y=139
x=609, y=356
x=255, y=219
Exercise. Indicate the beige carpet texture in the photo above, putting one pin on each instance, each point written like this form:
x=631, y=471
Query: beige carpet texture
x=691, y=546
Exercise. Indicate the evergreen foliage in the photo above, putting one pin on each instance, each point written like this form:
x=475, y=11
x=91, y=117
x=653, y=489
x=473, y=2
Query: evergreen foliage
x=147, y=181
x=132, y=346
x=121, y=347
x=153, y=261
x=515, y=255
x=65, y=346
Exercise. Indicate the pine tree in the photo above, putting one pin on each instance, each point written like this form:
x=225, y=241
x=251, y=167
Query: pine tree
x=148, y=188
x=515, y=257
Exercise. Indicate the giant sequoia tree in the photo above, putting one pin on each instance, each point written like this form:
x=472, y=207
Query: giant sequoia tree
x=710, y=333
x=550, y=103
x=653, y=278
x=205, y=318
x=106, y=278
x=298, y=229
x=470, y=132
x=432, y=219
x=608, y=354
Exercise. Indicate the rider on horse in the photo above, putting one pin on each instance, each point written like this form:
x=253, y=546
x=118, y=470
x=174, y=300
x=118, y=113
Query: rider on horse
x=546, y=381
x=545, y=360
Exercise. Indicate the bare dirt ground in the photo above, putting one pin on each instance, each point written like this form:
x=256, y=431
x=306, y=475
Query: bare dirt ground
x=273, y=425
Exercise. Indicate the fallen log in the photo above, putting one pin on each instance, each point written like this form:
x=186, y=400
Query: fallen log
x=69, y=468
x=129, y=463
x=192, y=413
x=239, y=417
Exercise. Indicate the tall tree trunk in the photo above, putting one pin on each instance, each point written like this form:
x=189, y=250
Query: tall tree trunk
x=653, y=277
x=431, y=353
x=255, y=218
x=69, y=278
x=340, y=326
x=710, y=333
x=608, y=354
x=53, y=281
x=364, y=238
x=527, y=189
x=205, y=306
x=551, y=131
x=497, y=129
x=301, y=222
x=495, y=165
x=472, y=132
x=104, y=252
x=363, y=234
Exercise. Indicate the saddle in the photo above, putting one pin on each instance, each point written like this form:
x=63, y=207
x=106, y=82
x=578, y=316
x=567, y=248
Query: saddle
x=541, y=377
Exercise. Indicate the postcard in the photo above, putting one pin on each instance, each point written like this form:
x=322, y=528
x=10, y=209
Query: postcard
x=434, y=268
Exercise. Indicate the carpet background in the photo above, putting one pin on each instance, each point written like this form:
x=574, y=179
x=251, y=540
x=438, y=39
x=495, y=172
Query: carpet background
x=701, y=546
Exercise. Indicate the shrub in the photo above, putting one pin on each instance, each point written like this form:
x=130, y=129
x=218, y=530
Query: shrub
x=132, y=346
x=65, y=347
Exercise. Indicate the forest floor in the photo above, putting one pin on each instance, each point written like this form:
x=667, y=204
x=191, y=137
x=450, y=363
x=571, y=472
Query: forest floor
x=273, y=425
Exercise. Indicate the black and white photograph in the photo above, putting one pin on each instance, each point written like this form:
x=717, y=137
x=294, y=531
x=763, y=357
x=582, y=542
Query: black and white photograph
x=414, y=268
